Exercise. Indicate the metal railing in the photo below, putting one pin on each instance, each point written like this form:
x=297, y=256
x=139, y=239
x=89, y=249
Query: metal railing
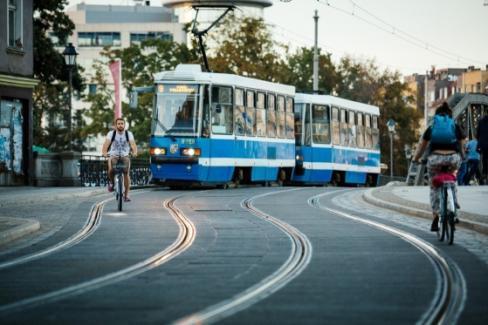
x=93, y=171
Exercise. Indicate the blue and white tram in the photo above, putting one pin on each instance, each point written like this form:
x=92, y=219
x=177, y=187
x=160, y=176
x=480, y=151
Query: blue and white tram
x=337, y=141
x=213, y=128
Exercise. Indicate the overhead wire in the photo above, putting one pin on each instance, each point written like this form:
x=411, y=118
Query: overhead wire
x=397, y=32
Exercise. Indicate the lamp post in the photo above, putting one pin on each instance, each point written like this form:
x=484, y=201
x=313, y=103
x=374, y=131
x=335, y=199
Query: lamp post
x=391, y=130
x=70, y=54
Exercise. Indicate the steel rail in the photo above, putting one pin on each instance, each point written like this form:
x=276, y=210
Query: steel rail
x=298, y=260
x=90, y=226
x=451, y=289
x=185, y=239
x=92, y=223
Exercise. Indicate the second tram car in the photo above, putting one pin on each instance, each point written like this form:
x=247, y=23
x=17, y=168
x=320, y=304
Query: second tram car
x=213, y=128
x=337, y=141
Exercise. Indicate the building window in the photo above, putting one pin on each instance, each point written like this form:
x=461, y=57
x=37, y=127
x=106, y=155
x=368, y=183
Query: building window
x=14, y=23
x=138, y=38
x=87, y=39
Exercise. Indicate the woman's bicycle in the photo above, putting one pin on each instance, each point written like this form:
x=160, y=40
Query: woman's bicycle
x=448, y=209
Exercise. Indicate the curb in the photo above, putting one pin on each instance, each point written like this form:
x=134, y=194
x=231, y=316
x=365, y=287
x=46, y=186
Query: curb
x=25, y=227
x=467, y=224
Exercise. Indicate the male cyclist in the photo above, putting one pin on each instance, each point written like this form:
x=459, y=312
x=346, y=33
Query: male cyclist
x=120, y=142
x=446, y=142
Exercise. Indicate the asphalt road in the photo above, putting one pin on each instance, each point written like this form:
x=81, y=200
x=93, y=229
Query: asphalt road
x=282, y=259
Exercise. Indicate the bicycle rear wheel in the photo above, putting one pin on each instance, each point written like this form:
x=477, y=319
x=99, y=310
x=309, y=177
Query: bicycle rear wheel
x=443, y=217
x=120, y=193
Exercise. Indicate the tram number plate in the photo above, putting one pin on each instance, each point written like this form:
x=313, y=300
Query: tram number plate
x=188, y=141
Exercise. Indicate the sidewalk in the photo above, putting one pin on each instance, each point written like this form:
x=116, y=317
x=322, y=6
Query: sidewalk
x=414, y=200
x=15, y=228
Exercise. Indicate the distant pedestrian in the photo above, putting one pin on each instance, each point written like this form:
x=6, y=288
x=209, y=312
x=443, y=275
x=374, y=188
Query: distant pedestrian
x=482, y=136
x=473, y=161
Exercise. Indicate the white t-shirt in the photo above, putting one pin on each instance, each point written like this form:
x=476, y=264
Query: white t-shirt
x=120, y=146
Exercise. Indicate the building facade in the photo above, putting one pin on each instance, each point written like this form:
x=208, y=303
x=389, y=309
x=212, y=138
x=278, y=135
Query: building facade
x=16, y=87
x=474, y=80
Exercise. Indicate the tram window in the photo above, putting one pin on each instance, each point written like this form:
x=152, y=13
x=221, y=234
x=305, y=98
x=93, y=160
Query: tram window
x=367, y=121
x=360, y=119
x=320, y=124
x=260, y=122
x=239, y=113
x=336, y=136
x=298, y=123
x=221, y=110
x=290, y=121
x=271, y=117
x=260, y=100
x=360, y=130
x=280, y=117
x=351, y=118
x=335, y=114
x=250, y=115
x=343, y=116
x=375, y=122
x=308, y=128
x=206, y=112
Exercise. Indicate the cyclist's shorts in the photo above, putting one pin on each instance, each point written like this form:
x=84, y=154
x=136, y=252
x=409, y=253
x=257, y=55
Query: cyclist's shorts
x=125, y=161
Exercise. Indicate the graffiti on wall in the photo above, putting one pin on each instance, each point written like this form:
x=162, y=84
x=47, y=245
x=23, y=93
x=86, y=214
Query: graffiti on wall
x=11, y=136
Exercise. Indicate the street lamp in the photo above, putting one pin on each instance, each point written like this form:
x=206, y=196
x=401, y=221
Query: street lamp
x=391, y=130
x=70, y=54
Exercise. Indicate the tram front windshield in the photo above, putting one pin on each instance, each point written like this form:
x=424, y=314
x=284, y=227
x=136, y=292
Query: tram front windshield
x=176, y=111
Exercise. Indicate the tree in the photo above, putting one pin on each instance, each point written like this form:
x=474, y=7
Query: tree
x=298, y=71
x=245, y=47
x=50, y=96
x=139, y=64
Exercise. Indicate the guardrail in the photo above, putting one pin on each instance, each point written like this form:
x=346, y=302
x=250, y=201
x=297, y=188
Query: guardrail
x=93, y=171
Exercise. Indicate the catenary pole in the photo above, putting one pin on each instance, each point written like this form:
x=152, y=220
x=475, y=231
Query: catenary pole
x=316, y=56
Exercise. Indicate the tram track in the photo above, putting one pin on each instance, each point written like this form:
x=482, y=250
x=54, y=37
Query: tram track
x=298, y=260
x=90, y=226
x=185, y=239
x=451, y=289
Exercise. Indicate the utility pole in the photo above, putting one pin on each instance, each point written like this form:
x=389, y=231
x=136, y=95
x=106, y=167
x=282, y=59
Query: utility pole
x=316, y=56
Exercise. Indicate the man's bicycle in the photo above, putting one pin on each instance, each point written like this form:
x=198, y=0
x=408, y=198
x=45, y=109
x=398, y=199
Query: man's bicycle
x=118, y=170
x=448, y=207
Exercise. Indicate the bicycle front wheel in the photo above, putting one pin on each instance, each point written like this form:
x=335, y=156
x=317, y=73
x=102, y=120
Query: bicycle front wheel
x=121, y=194
x=451, y=228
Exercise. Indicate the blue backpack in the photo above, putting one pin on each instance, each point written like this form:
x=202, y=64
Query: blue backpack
x=443, y=130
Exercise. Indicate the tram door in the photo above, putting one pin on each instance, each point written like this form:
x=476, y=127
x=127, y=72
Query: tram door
x=221, y=146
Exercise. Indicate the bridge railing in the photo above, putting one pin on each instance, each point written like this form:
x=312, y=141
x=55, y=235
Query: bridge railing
x=93, y=171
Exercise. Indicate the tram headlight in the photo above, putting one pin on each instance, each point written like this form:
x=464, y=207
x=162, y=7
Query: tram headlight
x=157, y=151
x=190, y=152
x=298, y=157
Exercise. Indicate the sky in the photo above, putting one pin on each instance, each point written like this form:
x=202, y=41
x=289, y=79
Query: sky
x=408, y=36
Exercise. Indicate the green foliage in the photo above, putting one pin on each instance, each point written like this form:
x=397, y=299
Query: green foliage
x=245, y=47
x=298, y=71
x=51, y=95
